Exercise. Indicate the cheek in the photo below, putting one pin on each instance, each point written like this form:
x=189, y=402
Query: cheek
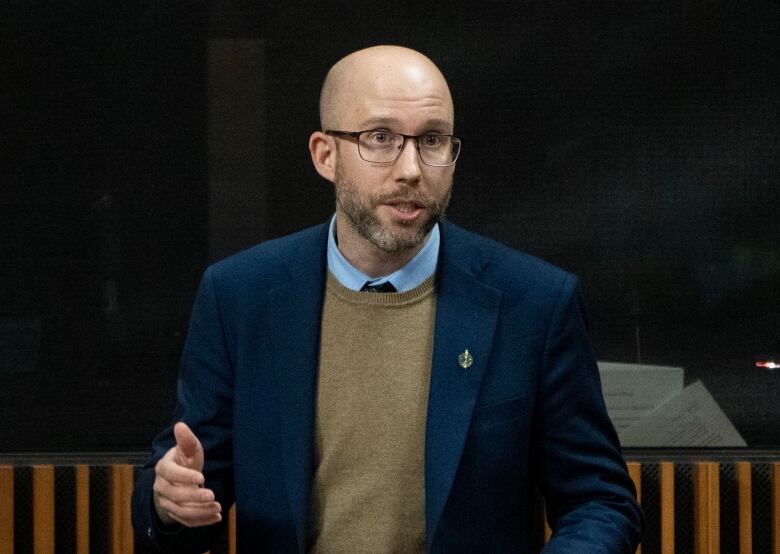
x=440, y=185
x=362, y=177
x=373, y=189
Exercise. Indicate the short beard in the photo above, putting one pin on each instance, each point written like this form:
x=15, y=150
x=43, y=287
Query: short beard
x=359, y=212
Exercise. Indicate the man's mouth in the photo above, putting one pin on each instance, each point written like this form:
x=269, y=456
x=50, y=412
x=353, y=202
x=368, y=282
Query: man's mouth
x=406, y=207
x=405, y=210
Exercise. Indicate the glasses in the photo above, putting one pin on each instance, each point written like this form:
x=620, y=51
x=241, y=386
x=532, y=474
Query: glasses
x=384, y=147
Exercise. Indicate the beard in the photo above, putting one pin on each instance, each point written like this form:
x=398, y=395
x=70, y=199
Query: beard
x=360, y=211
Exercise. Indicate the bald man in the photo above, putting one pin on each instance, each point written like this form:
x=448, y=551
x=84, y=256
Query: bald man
x=387, y=381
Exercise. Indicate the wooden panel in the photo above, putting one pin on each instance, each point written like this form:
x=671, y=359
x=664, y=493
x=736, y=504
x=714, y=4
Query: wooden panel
x=82, y=509
x=776, y=507
x=635, y=471
x=232, y=530
x=745, y=502
x=547, y=530
x=121, y=492
x=43, y=509
x=706, y=531
x=706, y=508
x=6, y=510
x=667, y=508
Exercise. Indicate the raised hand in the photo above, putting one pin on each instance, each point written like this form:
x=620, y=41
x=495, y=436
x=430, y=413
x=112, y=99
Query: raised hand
x=179, y=495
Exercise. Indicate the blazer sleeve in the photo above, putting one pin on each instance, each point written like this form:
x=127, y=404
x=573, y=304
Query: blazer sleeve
x=204, y=402
x=589, y=496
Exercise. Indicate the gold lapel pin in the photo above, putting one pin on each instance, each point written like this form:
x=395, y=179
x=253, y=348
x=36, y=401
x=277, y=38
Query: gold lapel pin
x=465, y=359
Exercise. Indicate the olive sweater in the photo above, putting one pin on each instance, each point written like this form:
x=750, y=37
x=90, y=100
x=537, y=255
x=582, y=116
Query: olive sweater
x=372, y=398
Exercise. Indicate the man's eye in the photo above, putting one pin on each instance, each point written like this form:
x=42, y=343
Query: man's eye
x=379, y=137
x=432, y=140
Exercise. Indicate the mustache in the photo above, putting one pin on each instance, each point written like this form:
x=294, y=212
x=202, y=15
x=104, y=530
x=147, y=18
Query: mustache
x=410, y=196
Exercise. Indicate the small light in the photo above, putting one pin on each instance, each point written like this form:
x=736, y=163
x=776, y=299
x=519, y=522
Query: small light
x=768, y=364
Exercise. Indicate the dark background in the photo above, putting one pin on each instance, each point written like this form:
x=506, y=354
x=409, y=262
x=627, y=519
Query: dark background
x=633, y=143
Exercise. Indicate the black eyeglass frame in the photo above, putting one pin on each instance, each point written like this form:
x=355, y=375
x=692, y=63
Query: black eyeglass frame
x=356, y=135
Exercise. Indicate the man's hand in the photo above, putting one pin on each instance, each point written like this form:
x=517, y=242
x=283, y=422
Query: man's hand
x=179, y=495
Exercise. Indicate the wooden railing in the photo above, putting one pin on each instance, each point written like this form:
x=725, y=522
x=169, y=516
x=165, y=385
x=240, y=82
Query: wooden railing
x=702, y=506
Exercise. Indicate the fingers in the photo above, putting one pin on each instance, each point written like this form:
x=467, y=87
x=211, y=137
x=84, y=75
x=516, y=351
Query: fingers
x=182, y=498
x=190, y=451
x=201, y=510
x=190, y=518
x=178, y=484
x=182, y=494
x=170, y=469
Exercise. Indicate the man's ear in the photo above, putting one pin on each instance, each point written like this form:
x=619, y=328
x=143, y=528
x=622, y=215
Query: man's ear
x=323, y=155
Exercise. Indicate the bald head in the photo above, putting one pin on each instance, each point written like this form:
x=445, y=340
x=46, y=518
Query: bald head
x=391, y=71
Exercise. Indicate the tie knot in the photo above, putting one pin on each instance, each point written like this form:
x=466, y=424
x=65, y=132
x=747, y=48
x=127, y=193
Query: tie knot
x=387, y=286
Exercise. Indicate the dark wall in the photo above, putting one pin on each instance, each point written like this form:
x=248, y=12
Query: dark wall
x=632, y=143
x=103, y=225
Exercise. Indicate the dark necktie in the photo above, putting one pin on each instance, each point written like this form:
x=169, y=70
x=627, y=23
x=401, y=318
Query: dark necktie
x=387, y=286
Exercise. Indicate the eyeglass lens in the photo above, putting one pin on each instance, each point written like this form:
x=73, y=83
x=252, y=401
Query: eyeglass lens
x=385, y=147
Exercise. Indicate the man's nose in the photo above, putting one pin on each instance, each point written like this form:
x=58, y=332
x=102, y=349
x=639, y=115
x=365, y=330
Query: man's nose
x=407, y=166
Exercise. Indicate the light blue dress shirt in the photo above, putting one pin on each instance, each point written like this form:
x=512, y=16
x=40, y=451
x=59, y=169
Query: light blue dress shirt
x=406, y=278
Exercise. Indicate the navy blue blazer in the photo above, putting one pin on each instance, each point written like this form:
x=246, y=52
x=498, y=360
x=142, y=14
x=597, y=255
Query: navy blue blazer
x=528, y=412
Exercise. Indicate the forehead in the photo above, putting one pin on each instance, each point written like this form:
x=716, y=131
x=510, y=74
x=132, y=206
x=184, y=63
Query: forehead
x=407, y=99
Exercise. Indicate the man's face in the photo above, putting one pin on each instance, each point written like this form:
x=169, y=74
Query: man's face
x=393, y=206
x=393, y=221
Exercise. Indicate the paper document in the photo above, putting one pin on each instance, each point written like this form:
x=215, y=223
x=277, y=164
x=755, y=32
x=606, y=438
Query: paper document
x=632, y=391
x=691, y=418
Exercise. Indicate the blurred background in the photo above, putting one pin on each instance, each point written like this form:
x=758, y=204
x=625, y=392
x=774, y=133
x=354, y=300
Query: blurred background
x=632, y=143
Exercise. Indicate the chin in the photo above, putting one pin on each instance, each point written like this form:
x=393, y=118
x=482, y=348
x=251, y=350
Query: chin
x=399, y=237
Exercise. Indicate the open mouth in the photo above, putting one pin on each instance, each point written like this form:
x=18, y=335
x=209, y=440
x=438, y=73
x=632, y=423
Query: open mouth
x=405, y=211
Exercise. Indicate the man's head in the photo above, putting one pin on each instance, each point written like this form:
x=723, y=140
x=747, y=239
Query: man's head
x=389, y=207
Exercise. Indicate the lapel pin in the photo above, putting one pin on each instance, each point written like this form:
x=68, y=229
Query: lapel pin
x=465, y=359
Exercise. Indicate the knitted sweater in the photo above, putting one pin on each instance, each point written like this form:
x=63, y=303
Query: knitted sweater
x=372, y=398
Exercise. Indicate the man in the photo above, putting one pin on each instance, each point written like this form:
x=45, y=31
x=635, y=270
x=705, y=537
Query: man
x=416, y=418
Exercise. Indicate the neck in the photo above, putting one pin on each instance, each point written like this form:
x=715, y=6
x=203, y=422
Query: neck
x=367, y=257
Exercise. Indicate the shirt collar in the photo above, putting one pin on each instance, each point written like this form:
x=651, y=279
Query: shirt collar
x=417, y=270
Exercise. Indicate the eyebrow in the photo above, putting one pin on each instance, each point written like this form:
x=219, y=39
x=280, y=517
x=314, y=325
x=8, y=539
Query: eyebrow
x=438, y=125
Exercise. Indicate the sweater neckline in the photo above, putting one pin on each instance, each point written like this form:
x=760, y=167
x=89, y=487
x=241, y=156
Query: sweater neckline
x=380, y=298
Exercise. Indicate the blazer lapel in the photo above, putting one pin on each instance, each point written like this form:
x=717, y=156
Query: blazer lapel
x=295, y=307
x=466, y=314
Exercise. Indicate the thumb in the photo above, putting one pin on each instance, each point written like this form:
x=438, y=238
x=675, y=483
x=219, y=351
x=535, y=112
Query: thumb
x=189, y=449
